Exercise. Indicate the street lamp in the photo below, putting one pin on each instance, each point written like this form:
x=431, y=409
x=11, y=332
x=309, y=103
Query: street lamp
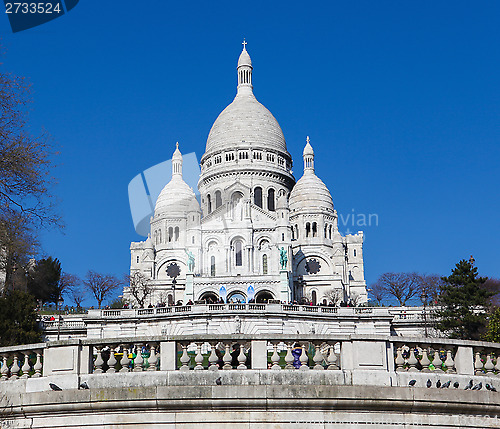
x=424, y=297
x=60, y=302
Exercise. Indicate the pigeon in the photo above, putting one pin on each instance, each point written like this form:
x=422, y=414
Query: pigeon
x=54, y=386
x=438, y=384
x=446, y=385
x=218, y=381
x=478, y=386
x=412, y=382
x=429, y=383
x=456, y=384
x=84, y=385
x=469, y=386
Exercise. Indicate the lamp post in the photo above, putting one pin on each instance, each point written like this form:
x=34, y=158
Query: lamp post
x=424, y=297
x=60, y=302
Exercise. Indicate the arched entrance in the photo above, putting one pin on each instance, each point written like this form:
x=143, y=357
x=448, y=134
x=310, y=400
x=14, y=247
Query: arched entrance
x=236, y=297
x=263, y=296
x=209, y=297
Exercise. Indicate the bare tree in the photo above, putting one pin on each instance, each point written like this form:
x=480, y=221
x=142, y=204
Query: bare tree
x=378, y=292
x=25, y=160
x=101, y=285
x=430, y=286
x=78, y=295
x=139, y=287
x=334, y=295
x=493, y=285
x=402, y=286
x=355, y=299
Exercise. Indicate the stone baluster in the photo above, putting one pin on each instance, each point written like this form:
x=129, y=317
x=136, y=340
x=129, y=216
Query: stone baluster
x=478, y=365
x=425, y=361
x=488, y=365
x=26, y=365
x=437, y=362
x=227, y=357
x=38, y=364
x=99, y=362
x=318, y=356
x=412, y=359
x=153, y=357
x=399, y=361
x=213, y=358
x=5, y=368
x=199, y=357
x=111, y=361
x=449, y=363
x=304, y=359
x=125, y=361
x=242, y=358
x=332, y=358
x=289, y=356
x=139, y=360
x=497, y=364
x=275, y=357
x=15, y=368
x=184, y=358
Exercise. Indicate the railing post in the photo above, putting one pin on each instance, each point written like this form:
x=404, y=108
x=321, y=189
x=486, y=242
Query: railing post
x=464, y=361
x=259, y=354
x=168, y=356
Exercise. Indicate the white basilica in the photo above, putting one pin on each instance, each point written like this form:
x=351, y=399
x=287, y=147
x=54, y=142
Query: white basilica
x=258, y=234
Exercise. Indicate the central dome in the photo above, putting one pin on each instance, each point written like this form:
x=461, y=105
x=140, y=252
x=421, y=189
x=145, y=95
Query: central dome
x=245, y=121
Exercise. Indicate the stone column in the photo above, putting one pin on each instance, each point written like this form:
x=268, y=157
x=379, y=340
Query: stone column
x=168, y=356
x=189, y=291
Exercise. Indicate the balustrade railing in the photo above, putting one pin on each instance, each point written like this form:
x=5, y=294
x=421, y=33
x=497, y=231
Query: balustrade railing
x=21, y=362
x=275, y=352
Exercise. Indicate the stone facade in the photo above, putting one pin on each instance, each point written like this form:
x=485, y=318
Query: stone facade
x=254, y=232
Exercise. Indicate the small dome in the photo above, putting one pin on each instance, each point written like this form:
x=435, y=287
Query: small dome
x=244, y=59
x=308, y=149
x=310, y=194
x=176, y=198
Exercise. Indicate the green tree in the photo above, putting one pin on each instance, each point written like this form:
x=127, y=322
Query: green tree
x=44, y=279
x=18, y=319
x=493, y=329
x=463, y=300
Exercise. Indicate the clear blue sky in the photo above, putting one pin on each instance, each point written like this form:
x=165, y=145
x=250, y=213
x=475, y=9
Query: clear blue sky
x=401, y=101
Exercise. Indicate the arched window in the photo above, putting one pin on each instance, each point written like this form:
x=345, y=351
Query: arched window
x=314, y=297
x=238, y=253
x=192, y=239
x=296, y=232
x=330, y=232
x=218, y=199
x=264, y=264
x=176, y=233
x=170, y=299
x=159, y=235
x=170, y=234
x=315, y=229
x=209, y=204
x=270, y=200
x=138, y=259
x=293, y=233
x=257, y=196
x=326, y=231
x=212, y=266
x=308, y=229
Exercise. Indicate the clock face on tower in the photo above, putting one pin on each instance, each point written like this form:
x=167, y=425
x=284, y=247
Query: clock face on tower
x=313, y=266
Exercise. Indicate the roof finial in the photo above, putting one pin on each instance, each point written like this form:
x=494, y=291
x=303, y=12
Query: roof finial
x=244, y=44
x=307, y=139
x=177, y=145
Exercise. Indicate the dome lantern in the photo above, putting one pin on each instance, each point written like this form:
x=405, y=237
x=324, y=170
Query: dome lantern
x=177, y=161
x=244, y=71
x=308, y=156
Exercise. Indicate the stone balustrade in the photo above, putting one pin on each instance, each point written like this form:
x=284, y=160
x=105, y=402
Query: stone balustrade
x=348, y=354
x=21, y=362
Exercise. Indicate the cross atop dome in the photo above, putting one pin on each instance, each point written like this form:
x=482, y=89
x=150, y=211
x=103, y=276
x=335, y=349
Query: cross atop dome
x=244, y=43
